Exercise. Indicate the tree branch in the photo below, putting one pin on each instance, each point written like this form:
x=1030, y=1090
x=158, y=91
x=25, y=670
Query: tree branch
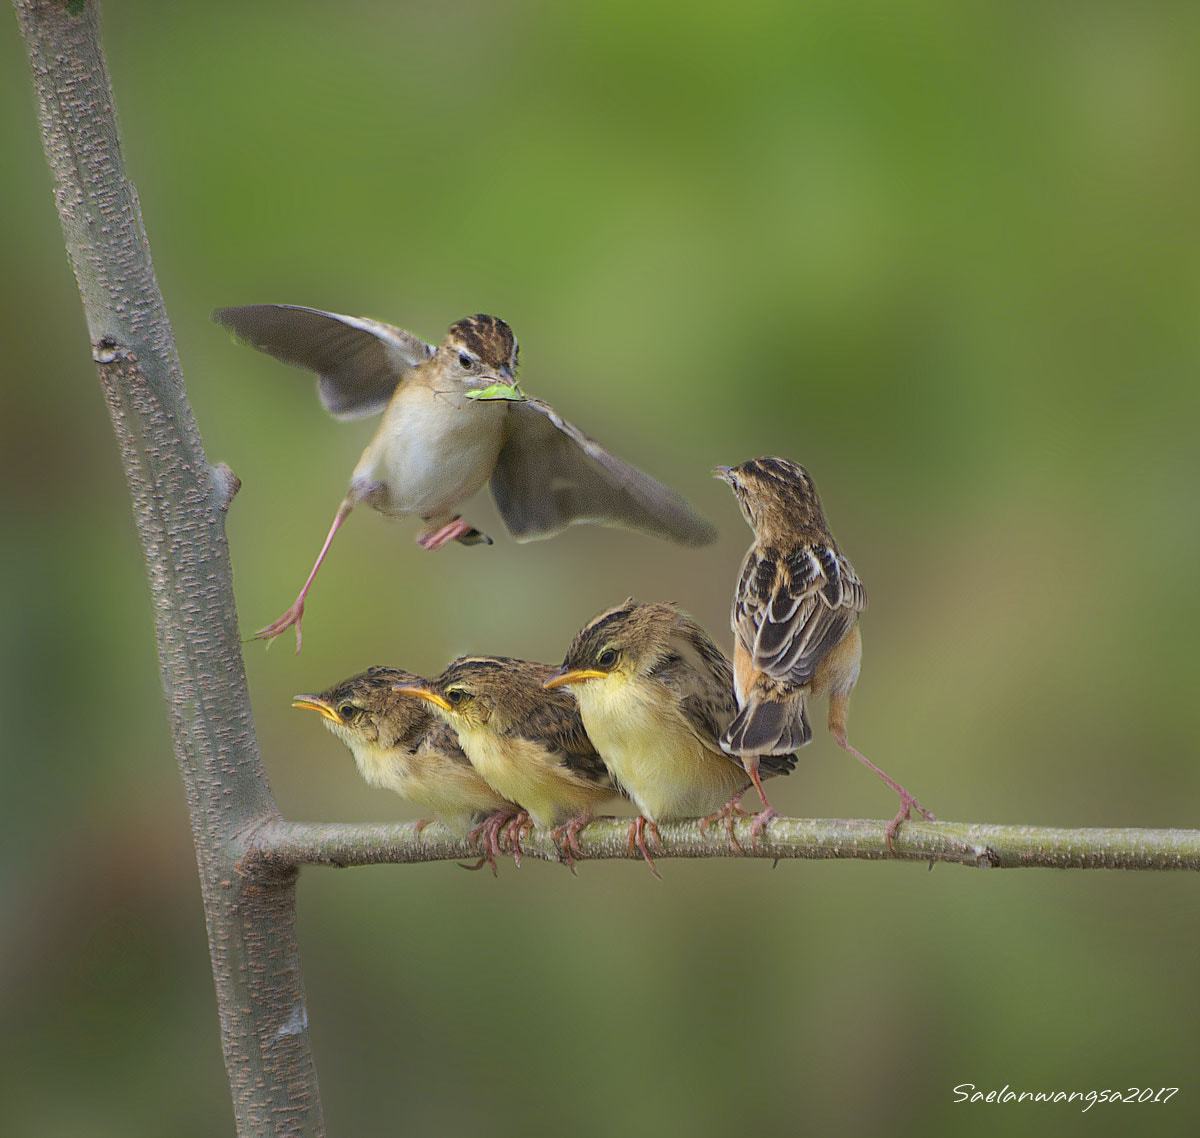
x=179, y=505
x=276, y=846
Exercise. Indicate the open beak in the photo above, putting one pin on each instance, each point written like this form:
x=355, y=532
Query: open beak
x=722, y=472
x=316, y=703
x=425, y=694
x=573, y=676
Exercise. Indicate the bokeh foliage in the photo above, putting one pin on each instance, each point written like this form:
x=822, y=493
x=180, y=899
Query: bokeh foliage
x=944, y=253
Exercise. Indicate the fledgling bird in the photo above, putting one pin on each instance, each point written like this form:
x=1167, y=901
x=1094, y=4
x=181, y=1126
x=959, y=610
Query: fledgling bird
x=655, y=694
x=529, y=744
x=453, y=419
x=399, y=744
x=795, y=623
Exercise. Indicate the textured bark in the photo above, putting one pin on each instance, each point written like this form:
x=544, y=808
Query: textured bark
x=248, y=856
x=179, y=504
x=279, y=847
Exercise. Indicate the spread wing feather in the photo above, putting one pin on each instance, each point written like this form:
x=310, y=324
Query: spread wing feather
x=360, y=361
x=551, y=475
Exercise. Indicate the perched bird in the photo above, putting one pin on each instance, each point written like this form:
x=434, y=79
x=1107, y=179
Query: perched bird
x=454, y=419
x=655, y=694
x=529, y=744
x=795, y=623
x=398, y=744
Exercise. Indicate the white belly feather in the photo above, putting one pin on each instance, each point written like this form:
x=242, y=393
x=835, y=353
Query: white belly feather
x=437, y=450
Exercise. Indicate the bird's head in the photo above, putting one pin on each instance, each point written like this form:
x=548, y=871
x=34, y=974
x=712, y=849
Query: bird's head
x=480, y=352
x=363, y=711
x=627, y=642
x=775, y=495
x=473, y=692
x=503, y=695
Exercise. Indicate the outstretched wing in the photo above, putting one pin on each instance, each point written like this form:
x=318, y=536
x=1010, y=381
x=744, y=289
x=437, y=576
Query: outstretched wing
x=551, y=475
x=792, y=608
x=360, y=361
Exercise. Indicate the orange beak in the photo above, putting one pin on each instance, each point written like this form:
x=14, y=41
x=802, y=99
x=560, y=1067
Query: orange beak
x=316, y=703
x=425, y=694
x=573, y=676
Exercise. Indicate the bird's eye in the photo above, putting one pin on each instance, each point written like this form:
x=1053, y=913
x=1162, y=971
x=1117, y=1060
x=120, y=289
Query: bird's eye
x=455, y=696
x=607, y=658
x=347, y=711
x=466, y=361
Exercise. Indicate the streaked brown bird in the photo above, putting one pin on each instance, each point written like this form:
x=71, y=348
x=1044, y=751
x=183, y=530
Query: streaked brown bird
x=655, y=694
x=453, y=419
x=399, y=744
x=529, y=744
x=795, y=623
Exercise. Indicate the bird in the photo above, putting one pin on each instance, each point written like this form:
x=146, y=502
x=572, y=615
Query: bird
x=454, y=418
x=795, y=622
x=399, y=744
x=529, y=744
x=655, y=694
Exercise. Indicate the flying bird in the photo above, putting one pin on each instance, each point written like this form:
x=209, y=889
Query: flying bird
x=453, y=419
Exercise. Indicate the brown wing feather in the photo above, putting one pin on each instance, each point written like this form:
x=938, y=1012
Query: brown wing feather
x=699, y=676
x=360, y=361
x=792, y=608
x=551, y=475
x=554, y=721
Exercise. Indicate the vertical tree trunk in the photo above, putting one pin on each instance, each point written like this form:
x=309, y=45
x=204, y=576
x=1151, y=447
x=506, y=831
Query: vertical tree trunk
x=179, y=503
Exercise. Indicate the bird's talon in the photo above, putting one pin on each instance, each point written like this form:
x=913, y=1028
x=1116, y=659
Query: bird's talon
x=291, y=618
x=726, y=814
x=637, y=840
x=566, y=839
x=760, y=823
x=512, y=831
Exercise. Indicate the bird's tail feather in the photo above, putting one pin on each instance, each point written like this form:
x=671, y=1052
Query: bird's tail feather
x=768, y=727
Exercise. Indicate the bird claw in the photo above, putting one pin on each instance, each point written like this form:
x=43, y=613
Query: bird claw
x=293, y=616
x=454, y=530
x=726, y=814
x=566, y=838
x=907, y=802
x=512, y=831
x=760, y=823
x=637, y=840
x=489, y=829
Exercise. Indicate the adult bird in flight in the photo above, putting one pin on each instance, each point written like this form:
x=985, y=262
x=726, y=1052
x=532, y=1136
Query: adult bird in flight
x=453, y=419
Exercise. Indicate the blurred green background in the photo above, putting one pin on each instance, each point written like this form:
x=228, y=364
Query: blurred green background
x=944, y=253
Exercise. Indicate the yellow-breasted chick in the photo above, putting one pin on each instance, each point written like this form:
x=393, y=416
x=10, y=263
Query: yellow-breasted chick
x=529, y=744
x=795, y=622
x=655, y=694
x=399, y=744
x=453, y=419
